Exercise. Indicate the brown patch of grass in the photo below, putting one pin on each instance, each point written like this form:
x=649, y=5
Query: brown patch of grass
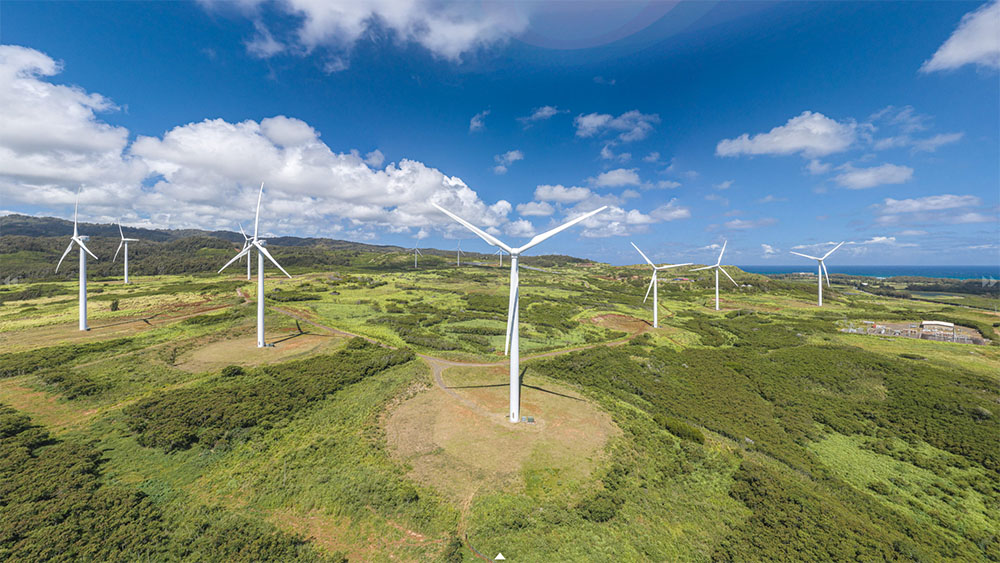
x=243, y=350
x=44, y=408
x=462, y=451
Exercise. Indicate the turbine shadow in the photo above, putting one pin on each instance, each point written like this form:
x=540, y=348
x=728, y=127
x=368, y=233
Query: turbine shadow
x=535, y=387
x=128, y=321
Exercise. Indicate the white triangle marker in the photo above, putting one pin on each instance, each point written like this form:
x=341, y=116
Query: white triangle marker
x=499, y=557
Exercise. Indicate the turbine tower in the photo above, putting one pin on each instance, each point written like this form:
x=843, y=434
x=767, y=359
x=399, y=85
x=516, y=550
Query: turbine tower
x=261, y=246
x=512, y=344
x=654, y=285
x=718, y=267
x=458, y=254
x=821, y=269
x=124, y=243
x=79, y=241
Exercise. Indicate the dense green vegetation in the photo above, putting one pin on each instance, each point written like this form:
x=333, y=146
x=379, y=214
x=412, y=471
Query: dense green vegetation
x=759, y=433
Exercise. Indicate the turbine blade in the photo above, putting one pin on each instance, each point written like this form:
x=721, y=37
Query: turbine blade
x=804, y=255
x=84, y=247
x=724, y=243
x=120, y=229
x=68, y=248
x=242, y=253
x=703, y=268
x=668, y=266
x=652, y=281
x=256, y=218
x=548, y=234
x=827, y=274
x=648, y=261
x=834, y=249
x=242, y=232
x=479, y=232
x=120, y=244
x=267, y=255
x=76, y=210
x=728, y=276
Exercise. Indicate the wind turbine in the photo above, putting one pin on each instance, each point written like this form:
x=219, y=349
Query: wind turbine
x=718, y=267
x=416, y=252
x=499, y=253
x=79, y=241
x=653, y=285
x=458, y=254
x=512, y=344
x=261, y=246
x=246, y=243
x=124, y=243
x=821, y=268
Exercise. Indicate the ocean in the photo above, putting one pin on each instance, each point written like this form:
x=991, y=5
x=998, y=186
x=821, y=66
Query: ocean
x=952, y=272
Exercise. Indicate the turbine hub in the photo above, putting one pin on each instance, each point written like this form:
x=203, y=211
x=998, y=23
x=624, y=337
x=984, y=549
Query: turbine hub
x=84, y=238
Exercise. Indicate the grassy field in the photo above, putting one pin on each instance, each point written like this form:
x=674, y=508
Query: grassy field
x=759, y=432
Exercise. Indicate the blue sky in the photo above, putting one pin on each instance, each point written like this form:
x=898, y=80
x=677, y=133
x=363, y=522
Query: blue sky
x=776, y=126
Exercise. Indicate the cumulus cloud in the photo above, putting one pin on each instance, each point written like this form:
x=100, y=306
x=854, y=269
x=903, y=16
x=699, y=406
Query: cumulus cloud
x=769, y=251
x=449, y=30
x=561, y=194
x=770, y=198
x=608, y=154
x=535, y=209
x=663, y=185
x=506, y=159
x=862, y=178
x=631, y=126
x=477, y=123
x=206, y=173
x=520, y=228
x=723, y=185
x=652, y=157
x=815, y=167
x=930, y=203
x=540, y=114
x=616, y=178
x=810, y=134
x=976, y=41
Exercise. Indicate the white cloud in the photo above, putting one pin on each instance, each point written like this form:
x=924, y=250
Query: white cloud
x=741, y=224
x=540, y=114
x=506, y=159
x=608, y=154
x=448, y=30
x=713, y=246
x=617, y=178
x=477, y=122
x=718, y=198
x=769, y=251
x=662, y=185
x=928, y=144
x=771, y=199
x=723, y=185
x=936, y=209
x=670, y=211
x=975, y=41
x=535, y=209
x=912, y=233
x=375, y=159
x=520, y=228
x=862, y=178
x=561, y=194
x=632, y=125
x=815, y=167
x=651, y=157
x=930, y=203
x=604, y=81
x=905, y=118
x=811, y=134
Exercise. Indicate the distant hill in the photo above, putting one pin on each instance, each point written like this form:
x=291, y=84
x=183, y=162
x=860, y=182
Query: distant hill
x=30, y=247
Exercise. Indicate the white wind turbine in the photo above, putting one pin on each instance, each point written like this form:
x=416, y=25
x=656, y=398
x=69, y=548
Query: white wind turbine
x=821, y=268
x=124, y=243
x=416, y=252
x=718, y=267
x=79, y=241
x=655, y=286
x=512, y=344
x=458, y=254
x=499, y=253
x=261, y=246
